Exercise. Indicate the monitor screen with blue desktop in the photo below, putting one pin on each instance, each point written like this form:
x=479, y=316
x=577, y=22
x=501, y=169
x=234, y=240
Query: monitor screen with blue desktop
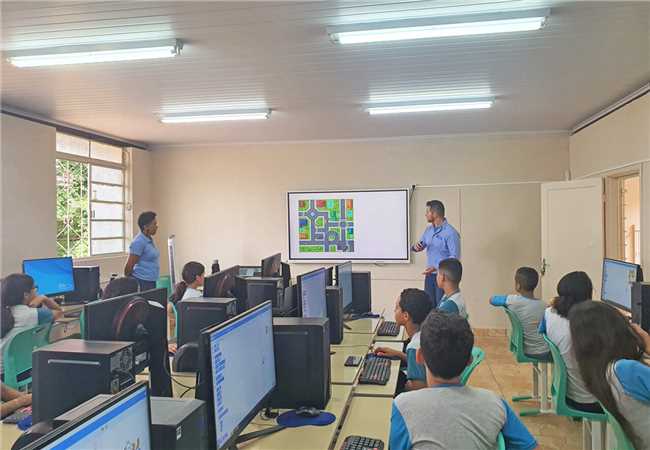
x=311, y=293
x=344, y=281
x=242, y=363
x=618, y=277
x=52, y=276
x=122, y=422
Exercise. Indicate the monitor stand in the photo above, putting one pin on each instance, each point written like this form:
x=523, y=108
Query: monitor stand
x=255, y=435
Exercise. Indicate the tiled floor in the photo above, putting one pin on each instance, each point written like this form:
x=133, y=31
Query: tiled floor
x=500, y=373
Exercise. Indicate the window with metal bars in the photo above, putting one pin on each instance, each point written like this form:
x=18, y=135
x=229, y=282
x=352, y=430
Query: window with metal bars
x=90, y=197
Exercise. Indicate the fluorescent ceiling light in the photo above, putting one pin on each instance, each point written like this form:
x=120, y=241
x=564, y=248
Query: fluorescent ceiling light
x=439, y=27
x=217, y=116
x=95, y=53
x=430, y=106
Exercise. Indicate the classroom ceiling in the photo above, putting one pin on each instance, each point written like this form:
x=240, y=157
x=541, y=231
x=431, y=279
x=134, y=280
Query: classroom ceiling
x=278, y=54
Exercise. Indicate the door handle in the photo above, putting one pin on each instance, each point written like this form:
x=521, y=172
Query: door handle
x=542, y=270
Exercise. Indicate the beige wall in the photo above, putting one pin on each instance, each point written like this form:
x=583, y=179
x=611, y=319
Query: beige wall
x=607, y=147
x=229, y=202
x=28, y=195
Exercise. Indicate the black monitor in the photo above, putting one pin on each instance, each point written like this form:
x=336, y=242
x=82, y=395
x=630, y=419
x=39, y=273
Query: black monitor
x=618, y=277
x=250, y=271
x=221, y=284
x=122, y=421
x=329, y=276
x=133, y=318
x=52, y=276
x=344, y=281
x=271, y=265
x=286, y=275
x=311, y=293
x=236, y=374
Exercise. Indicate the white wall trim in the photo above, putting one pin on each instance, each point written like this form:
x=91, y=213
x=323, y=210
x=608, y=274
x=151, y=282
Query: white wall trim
x=505, y=183
x=359, y=140
x=615, y=168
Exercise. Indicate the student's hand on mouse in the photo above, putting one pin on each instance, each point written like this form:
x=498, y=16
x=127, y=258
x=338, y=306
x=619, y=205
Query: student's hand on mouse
x=644, y=336
x=24, y=400
x=383, y=351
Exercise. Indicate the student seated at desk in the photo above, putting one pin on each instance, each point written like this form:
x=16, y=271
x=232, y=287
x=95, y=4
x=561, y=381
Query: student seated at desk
x=411, y=308
x=13, y=400
x=22, y=308
x=573, y=288
x=529, y=310
x=610, y=353
x=193, y=277
x=450, y=272
x=447, y=414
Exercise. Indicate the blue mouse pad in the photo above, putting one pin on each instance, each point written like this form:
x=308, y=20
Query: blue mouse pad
x=292, y=420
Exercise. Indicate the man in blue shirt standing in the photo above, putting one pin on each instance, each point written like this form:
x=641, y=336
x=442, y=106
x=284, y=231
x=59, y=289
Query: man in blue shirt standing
x=441, y=241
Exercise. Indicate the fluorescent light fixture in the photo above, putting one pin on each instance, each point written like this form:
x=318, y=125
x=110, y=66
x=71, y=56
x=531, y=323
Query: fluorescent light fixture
x=95, y=53
x=467, y=25
x=430, y=106
x=217, y=116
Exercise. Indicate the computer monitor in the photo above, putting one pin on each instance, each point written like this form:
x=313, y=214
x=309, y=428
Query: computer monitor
x=286, y=275
x=53, y=276
x=618, y=277
x=329, y=276
x=271, y=265
x=237, y=372
x=344, y=281
x=311, y=293
x=250, y=271
x=158, y=295
x=122, y=422
x=221, y=284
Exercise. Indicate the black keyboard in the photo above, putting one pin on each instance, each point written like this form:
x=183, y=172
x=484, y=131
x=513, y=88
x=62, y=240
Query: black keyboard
x=19, y=415
x=388, y=329
x=361, y=443
x=376, y=370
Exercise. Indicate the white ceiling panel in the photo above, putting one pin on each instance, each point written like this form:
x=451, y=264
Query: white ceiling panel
x=278, y=55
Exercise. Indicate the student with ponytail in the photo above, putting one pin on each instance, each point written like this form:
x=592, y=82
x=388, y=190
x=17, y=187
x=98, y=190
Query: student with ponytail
x=610, y=353
x=22, y=309
x=574, y=288
x=193, y=275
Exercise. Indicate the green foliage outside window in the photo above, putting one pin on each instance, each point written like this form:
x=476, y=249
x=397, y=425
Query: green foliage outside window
x=72, y=221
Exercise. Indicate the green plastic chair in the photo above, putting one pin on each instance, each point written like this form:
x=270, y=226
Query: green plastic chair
x=501, y=442
x=165, y=281
x=175, y=320
x=558, y=394
x=622, y=441
x=478, y=355
x=540, y=372
x=17, y=355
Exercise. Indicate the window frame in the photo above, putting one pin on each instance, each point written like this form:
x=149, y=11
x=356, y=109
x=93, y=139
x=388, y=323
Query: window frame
x=109, y=165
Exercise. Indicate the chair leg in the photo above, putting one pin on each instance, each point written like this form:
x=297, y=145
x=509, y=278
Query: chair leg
x=544, y=403
x=534, y=396
x=598, y=435
x=586, y=435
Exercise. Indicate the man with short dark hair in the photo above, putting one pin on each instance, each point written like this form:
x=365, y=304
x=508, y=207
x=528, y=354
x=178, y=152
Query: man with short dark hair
x=446, y=414
x=144, y=257
x=441, y=241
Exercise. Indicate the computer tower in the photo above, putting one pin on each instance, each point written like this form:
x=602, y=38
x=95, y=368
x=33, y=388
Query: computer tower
x=194, y=314
x=253, y=291
x=361, y=295
x=641, y=305
x=176, y=423
x=302, y=362
x=334, y=298
x=86, y=281
x=69, y=372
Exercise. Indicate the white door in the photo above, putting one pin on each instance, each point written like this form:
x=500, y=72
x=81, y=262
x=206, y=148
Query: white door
x=572, y=232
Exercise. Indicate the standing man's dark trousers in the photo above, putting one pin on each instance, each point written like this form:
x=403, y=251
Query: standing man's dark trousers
x=431, y=288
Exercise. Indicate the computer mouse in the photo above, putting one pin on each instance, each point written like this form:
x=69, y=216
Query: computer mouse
x=308, y=412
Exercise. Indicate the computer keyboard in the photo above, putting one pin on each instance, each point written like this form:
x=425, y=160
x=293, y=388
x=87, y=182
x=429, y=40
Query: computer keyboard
x=376, y=370
x=17, y=416
x=361, y=443
x=388, y=329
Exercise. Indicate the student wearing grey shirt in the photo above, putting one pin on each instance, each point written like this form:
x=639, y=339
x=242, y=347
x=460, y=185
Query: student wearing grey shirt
x=529, y=310
x=447, y=414
x=612, y=355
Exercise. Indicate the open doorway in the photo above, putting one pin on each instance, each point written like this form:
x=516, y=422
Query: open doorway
x=623, y=217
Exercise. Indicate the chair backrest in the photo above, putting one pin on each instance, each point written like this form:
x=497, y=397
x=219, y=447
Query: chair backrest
x=17, y=355
x=516, y=336
x=478, y=355
x=501, y=442
x=559, y=383
x=622, y=441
